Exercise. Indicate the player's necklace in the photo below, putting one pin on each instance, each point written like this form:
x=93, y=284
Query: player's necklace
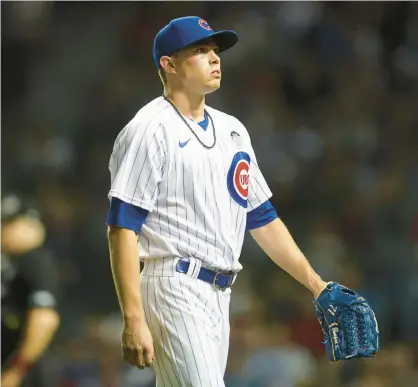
x=191, y=129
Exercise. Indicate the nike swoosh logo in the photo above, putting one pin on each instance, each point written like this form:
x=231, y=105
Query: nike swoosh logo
x=183, y=144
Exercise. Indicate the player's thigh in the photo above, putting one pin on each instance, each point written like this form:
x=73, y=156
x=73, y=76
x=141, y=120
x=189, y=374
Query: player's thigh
x=192, y=372
x=224, y=329
x=224, y=349
x=181, y=320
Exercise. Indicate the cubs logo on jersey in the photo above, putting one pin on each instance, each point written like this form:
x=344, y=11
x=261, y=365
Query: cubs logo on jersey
x=238, y=178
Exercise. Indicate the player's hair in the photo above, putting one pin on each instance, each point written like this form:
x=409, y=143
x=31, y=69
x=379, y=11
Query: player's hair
x=163, y=76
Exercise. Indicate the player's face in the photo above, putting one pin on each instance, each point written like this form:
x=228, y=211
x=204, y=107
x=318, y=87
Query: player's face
x=199, y=68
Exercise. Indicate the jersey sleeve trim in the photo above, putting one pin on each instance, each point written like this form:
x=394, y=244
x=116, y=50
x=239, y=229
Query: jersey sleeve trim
x=261, y=216
x=126, y=215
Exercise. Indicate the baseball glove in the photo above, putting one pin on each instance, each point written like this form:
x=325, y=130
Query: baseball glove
x=348, y=322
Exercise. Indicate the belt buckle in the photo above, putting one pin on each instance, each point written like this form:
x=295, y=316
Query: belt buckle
x=215, y=285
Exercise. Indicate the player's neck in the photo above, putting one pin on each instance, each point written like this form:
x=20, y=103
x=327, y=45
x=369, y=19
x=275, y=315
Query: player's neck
x=191, y=106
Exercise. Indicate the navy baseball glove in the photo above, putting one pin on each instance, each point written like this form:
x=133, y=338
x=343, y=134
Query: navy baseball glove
x=348, y=322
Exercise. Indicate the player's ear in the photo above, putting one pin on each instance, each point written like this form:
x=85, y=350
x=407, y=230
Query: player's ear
x=167, y=64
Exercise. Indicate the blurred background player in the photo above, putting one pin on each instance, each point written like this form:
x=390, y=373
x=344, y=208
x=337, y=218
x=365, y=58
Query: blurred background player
x=29, y=318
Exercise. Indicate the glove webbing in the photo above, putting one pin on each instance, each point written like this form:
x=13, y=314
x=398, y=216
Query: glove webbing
x=356, y=325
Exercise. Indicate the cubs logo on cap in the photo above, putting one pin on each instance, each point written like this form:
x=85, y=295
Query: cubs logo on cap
x=238, y=178
x=204, y=24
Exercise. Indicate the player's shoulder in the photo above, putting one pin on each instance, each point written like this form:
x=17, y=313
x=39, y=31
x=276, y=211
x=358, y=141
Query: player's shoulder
x=146, y=121
x=228, y=120
x=152, y=113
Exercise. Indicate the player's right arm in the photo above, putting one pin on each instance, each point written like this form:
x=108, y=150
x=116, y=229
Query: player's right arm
x=137, y=345
x=123, y=251
x=136, y=167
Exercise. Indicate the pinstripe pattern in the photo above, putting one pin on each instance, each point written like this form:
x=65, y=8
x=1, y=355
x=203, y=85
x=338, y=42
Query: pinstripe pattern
x=191, y=349
x=153, y=327
x=193, y=214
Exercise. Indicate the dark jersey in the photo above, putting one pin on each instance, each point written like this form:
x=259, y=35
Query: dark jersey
x=27, y=281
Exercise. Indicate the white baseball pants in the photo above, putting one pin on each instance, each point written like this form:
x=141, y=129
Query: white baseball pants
x=189, y=323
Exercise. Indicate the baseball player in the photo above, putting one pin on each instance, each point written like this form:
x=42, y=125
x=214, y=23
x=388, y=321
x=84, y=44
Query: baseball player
x=185, y=187
x=30, y=315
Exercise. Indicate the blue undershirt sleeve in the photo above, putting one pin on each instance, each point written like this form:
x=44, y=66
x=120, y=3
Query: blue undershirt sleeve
x=261, y=216
x=126, y=215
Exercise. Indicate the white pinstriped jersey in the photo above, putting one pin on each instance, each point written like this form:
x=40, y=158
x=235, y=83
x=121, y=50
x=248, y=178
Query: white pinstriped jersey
x=197, y=198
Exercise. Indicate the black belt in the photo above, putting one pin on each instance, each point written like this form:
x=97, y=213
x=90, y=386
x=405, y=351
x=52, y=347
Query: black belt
x=220, y=281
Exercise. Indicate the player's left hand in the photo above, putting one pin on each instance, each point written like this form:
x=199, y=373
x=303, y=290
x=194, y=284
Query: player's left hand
x=11, y=378
x=348, y=323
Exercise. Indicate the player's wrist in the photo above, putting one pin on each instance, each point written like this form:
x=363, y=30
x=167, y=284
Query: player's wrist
x=134, y=318
x=317, y=287
x=20, y=365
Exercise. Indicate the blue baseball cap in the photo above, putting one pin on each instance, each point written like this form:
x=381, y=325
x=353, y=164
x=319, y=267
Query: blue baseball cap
x=185, y=31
